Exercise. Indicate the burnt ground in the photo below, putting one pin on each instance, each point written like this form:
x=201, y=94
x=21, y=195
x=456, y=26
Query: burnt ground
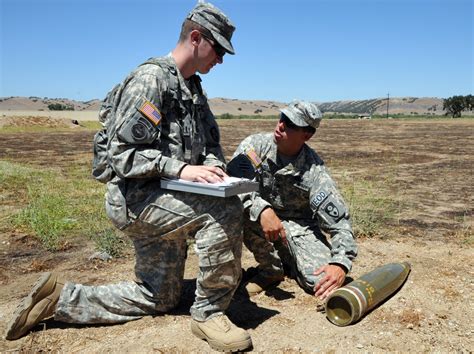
x=427, y=166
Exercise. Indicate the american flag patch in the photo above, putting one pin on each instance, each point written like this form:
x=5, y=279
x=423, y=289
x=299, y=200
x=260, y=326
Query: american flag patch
x=151, y=112
x=252, y=155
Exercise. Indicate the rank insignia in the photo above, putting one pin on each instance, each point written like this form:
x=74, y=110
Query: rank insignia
x=150, y=112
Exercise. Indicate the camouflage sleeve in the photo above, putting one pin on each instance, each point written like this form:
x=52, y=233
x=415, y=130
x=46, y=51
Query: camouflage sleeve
x=133, y=150
x=253, y=203
x=333, y=216
x=214, y=155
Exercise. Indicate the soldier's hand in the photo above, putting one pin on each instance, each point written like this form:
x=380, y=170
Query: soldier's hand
x=272, y=226
x=205, y=174
x=333, y=279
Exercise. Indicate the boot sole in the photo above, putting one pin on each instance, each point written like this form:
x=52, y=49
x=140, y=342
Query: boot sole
x=271, y=285
x=234, y=347
x=19, y=317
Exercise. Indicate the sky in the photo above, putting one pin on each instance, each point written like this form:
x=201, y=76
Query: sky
x=317, y=50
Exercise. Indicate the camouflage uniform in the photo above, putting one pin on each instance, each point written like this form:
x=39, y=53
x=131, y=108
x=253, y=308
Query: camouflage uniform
x=159, y=221
x=304, y=196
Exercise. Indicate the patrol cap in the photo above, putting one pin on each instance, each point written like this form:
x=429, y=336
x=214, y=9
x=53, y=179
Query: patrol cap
x=303, y=113
x=214, y=20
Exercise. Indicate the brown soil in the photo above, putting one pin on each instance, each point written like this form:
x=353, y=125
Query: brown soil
x=428, y=165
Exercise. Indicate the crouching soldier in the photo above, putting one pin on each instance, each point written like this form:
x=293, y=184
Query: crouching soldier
x=297, y=201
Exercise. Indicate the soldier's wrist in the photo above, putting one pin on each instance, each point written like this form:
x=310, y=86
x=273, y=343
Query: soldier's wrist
x=342, y=266
x=181, y=170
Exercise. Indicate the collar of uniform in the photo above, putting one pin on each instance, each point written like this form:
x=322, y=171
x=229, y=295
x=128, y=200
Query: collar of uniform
x=300, y=161
x=185, y=92
x=298, y=164
x=272, y=154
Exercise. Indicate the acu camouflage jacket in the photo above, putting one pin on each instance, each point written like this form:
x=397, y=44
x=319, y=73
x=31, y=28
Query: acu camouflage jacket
x=140, y=151
x=302, y=191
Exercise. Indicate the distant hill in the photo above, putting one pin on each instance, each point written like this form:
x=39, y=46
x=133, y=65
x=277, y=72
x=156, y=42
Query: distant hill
x=41, y=104
x=404, y=105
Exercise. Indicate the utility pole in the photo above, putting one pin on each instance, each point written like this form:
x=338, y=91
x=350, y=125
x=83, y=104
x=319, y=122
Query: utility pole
x=388, y=102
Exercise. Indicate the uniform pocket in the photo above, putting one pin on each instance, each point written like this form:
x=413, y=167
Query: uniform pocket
x=116, y=206
x=214, y=251
x=118, y=215
x=163, y=215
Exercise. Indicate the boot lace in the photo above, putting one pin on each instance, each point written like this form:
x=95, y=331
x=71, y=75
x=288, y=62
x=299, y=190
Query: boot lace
x=224, y=322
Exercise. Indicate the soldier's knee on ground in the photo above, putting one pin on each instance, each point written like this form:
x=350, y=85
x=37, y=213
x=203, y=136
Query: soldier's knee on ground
x=308, y=281
x=164, y=299
x=164, y=303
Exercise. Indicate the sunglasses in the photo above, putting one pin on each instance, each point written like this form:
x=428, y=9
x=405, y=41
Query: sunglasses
x=220, y=51
x=288, y=123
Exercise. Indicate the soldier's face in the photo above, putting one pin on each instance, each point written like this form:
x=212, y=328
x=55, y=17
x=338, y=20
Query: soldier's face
x=209, y=55
x=289, y=138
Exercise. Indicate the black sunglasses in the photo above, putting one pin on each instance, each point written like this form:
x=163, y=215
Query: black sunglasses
x=220, y=51
x=288, y=123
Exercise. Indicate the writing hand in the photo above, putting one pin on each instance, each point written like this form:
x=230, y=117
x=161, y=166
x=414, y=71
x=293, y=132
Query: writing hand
x=204, y=174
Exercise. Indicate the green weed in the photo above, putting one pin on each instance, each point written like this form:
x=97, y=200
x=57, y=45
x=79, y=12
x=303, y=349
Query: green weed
x=370, y=207
x=90, y=125
x=57, y=206
x=110, y=242
x=48, y=216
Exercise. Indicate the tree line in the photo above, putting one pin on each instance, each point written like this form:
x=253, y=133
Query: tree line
x=456, y=104
x=60, y=107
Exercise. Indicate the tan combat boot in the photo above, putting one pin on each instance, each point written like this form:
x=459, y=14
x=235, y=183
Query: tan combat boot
x=37, y=306
x=262, y=282
x=221, y=334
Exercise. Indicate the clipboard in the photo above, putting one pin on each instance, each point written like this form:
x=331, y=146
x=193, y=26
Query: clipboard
x=230, y=187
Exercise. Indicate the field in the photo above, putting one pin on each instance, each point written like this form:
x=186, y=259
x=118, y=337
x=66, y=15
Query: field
x=409, y=184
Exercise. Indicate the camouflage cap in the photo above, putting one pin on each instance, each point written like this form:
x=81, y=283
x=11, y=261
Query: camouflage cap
x=213, y=19
x=303, y=113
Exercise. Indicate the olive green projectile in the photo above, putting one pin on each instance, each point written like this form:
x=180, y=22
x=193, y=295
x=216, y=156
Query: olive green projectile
x=349, y=303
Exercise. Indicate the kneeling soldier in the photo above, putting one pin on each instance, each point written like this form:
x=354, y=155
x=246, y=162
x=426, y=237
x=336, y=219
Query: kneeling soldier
x=158, y=124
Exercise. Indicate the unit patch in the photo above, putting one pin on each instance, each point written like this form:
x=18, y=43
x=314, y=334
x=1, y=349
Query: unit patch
x=139, y=131
x=332, y=210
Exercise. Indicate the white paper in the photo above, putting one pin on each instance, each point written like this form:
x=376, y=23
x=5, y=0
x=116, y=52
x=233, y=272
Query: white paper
x=228, y=181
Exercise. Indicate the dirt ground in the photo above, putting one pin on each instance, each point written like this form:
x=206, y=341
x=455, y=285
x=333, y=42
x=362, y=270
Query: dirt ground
x=427, y=165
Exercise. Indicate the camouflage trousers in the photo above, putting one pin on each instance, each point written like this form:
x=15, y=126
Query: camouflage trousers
x=159, y=236
x=307, y=251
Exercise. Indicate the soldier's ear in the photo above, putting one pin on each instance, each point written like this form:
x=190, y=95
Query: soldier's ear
x=195, y=37
x=308, y=136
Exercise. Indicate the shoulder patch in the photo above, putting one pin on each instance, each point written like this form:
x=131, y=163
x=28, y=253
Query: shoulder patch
x=318, y=199
x=152, y=113
x=139, y=130
x=254, y=158
x=332, y=210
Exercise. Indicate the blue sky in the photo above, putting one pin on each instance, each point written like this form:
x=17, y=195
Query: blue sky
x=309, y=49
